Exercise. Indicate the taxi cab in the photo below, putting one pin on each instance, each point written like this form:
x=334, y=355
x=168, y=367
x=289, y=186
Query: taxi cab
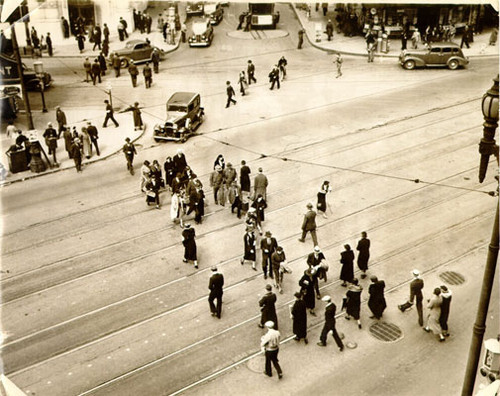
x=184, y=116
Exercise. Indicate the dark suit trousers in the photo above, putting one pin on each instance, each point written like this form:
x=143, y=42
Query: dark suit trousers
x=217, y=310
x=272, y=356
x=266, y=265
x=109, y=116
x=326, y=328
x=94, y=142
x=420, y=312
x=236, y=205
x=313, y=235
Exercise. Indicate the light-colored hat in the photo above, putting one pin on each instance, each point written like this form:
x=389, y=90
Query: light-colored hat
x=214, y=268
x=326, y=299
x=317, y=249
x=218, y=167
x=187, y=225
x=416, y=272
x=251, y=210
x=49, y=124
x=269, y=324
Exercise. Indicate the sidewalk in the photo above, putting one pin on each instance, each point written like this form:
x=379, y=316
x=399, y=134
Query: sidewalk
x=356, y=45
x=68, y=48
x=111, y=139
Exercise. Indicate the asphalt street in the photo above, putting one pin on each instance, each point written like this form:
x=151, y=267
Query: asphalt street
x=96, y=298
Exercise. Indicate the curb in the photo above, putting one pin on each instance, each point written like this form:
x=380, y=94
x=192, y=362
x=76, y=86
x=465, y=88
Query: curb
x=334, y=51
x=55, y=170
x=83, y=56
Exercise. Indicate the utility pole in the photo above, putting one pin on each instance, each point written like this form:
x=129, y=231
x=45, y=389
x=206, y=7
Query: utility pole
x=17, y=56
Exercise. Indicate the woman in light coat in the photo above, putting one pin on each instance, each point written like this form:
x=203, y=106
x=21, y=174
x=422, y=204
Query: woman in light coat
x=434, y=307
x=86, y=143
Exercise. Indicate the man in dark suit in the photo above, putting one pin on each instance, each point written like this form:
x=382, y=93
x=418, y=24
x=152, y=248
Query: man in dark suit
x=309, y=225
x=96, y=71
x=109, y=115
x=268, y=246
x=268, y=308
x=330, y=324
x=215, y=286
x=251, y=72
x=416, y=286
x=92, y=131
x=230, y=94
x=148, y=75
x=134, y=72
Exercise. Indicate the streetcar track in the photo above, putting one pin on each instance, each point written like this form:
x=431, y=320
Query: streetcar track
x=414, y=245
x=301, y=148
x=136, y=258
x=139, y=195
x=151, y=253
x=286, y=339
x=152, y=363
x=376, y=263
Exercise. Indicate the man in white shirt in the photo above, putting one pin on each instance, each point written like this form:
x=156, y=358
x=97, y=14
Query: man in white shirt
x=270, y=343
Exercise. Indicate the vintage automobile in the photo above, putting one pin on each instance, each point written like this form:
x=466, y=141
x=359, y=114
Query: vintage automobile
x=138, y=51
x=437, y=54
x=203, y=33
x=214, y=12
x=194, y=9
x=9, y=75
x=184, y=115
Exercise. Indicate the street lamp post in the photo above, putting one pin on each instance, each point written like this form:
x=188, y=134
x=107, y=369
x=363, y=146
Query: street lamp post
x=108, y=91
x=38, y=65
x=487, y=147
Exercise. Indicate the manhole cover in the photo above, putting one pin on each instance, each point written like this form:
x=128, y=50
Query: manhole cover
x=386, y=332
x=257, y=364
x=452, y=278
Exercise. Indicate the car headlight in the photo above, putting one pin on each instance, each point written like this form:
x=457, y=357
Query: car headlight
x=203, y=37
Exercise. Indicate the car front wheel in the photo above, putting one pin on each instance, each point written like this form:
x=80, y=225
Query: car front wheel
x=409, y=65
x=124, y=63
x=453, y=64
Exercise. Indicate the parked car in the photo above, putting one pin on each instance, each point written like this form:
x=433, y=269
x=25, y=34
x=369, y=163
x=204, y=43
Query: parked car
x=214, y=12
x=437, y=54
x=194, y=9
x=203, y=33
x=184, y=116
x=138, y=51
x=9, y=74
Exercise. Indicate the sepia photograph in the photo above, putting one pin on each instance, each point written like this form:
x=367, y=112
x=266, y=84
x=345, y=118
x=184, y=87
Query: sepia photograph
x=248, y=198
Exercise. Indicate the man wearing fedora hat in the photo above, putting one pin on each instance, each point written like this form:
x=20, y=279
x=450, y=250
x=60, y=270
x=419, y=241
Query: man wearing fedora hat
x=270, y=344
x=268, y=308
x=309, y=225
x=215, y=285
x=50, y=136
x=268, y=246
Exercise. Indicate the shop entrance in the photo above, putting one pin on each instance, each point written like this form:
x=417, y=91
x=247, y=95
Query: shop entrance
x=81, y=10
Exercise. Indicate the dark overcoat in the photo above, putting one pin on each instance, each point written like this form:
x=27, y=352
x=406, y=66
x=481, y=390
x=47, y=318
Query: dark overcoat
x=299, y=312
